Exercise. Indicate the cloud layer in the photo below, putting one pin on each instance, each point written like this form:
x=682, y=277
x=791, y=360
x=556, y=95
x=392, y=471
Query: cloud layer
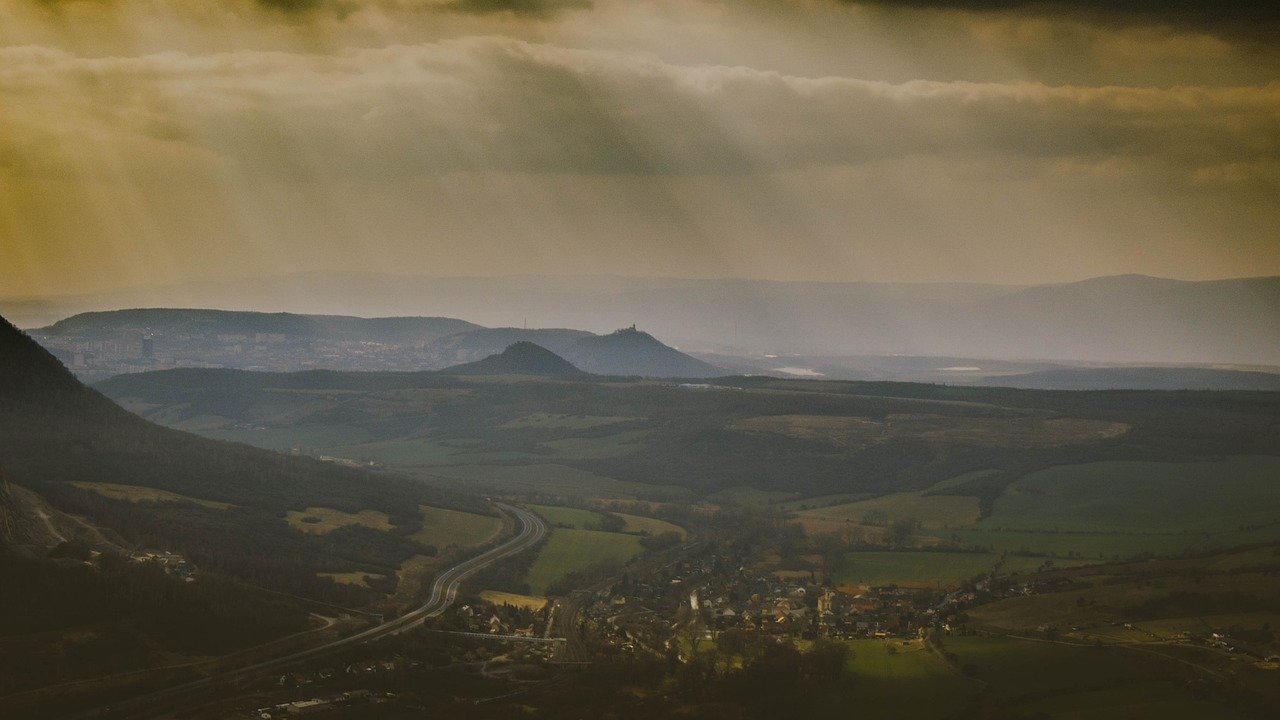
x=823, y=140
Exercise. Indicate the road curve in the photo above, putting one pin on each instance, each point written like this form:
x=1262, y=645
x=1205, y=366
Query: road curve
x=444, y=590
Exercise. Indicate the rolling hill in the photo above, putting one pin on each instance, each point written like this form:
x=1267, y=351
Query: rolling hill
x=521, y=358
x=632, y=352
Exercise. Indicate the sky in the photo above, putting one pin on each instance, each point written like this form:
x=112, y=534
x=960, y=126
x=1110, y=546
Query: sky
x=167, y=141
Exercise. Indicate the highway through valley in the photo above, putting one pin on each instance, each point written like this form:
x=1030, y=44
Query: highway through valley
x=444, y=590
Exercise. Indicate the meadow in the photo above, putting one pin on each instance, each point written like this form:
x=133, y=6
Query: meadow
x=568, y=551
x=567, y=517
x=896, y=679
x=135, y=493
x=1155, y=497
x=1077, y=682
x=323, y=520
x=442, y=528
x=650, y=526
x=936, y=569
x=526, y=602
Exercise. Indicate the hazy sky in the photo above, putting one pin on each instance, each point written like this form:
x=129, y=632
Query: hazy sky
x=158, y=141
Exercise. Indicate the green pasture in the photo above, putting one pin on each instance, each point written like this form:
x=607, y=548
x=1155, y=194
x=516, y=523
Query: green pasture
x=442, y=528
x=567, y=517
x=935, y=568
x=896, y=680
x=569, y=550
x=598, y=448
x=1205, y=497
x=649, y=526
x=1076, y=682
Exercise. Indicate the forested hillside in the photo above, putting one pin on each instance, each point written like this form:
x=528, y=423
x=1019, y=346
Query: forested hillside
x=61, y=440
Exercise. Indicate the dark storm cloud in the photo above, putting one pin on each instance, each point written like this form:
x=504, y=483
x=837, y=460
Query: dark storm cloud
x=1260, y=18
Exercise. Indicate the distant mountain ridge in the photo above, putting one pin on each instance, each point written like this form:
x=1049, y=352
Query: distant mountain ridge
x=104, y=324
x=1118, y=319
x=101, y=344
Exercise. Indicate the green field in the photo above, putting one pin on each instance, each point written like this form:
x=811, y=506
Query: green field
x=568, y=550
x=1070, y=681
x=1086, y=546
x=935, y=568
x=1219, y=496
x=135, y=493
x=442, y=528
x=1092, y=511
x=897, y=680
x=933, y=511
x=649, y=526
x=566, y=517
x=323, y=520
x=597, y=448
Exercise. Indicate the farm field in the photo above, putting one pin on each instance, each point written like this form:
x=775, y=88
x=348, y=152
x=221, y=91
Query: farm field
x=1123, y=603
x=350, y=578
x=135, y=493
x=1092, y=511
x=1086, y=546
x=896, y=679
x=321, y=520
x=567, y=551
x=527, y=602
x=567, y=517
x=595, y=448
x=1204, y=497
x=1073, y=681
x=650, y=526
x=933, y=511
x=443, y=528
x=934, y=568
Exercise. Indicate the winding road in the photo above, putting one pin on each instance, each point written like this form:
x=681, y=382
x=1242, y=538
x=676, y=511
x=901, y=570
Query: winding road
x=443, y=592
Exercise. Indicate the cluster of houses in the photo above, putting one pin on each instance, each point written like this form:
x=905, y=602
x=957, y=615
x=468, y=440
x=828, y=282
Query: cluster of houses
x=318, y=705
x=487, y=618
x=172, y=563
x=715, y=595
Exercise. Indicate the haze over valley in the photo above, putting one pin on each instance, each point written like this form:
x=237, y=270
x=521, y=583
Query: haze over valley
x=639, y=359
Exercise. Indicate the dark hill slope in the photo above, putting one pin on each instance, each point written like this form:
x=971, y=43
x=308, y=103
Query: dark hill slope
x=632, y=352
x=32, y=379
x=55, y=432
x=522, y=358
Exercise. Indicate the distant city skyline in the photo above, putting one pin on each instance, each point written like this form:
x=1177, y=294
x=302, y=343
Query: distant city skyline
x=157, y=142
